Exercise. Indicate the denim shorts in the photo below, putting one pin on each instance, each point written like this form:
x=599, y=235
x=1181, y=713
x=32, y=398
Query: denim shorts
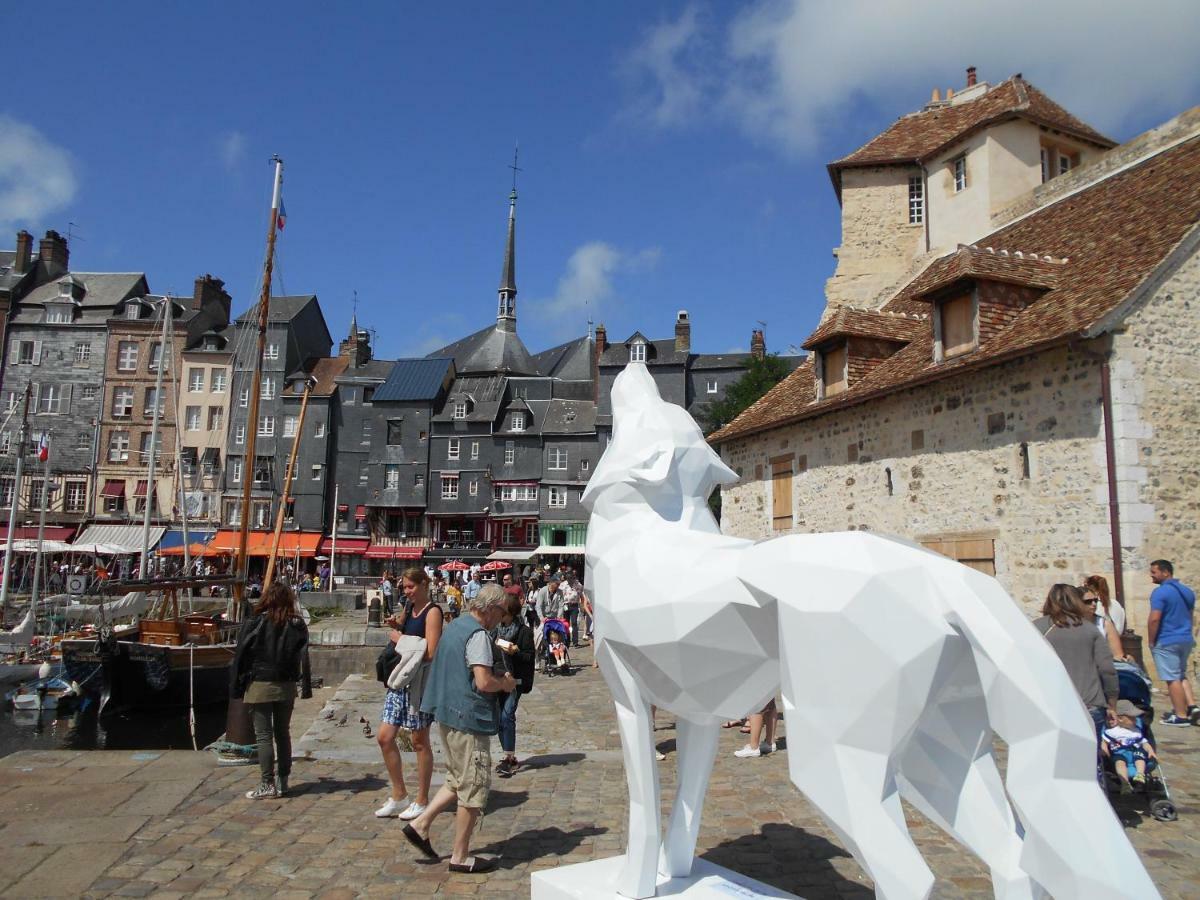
x=1171, y=660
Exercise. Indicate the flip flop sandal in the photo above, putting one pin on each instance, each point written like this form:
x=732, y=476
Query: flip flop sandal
x=419, y=842
x=474, y=866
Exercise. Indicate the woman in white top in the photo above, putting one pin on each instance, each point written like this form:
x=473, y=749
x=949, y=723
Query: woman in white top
x=1109, y=616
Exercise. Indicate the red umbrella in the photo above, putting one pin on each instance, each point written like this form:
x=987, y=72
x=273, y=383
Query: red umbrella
x=454, y=566
x=495, y=565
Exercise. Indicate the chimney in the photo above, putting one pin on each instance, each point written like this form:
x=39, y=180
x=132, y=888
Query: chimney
x=24, y=252
x=683, y=332
x=949, y=93
x=758, y=344
x=53, y=253
x=970, y=76
x=356, y=347
x=601, y=339
x=210, y=292
x=936, y=96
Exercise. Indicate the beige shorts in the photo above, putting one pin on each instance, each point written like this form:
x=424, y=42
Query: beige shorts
x=468, y=765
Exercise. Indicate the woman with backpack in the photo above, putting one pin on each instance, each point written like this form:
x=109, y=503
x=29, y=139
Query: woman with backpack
x=271, y=656
x=515, y=641
x=420, y=617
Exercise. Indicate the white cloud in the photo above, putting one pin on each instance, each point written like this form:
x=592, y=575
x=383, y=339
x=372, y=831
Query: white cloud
x=232, y=149
x=37, y=177
x=782, y=71
x=586, y=287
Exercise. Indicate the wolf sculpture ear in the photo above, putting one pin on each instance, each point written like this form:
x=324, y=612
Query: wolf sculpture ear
x=657, y=466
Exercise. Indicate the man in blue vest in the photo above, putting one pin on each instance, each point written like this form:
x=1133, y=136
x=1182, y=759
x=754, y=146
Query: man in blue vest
x=460, y=694
x=1169, y=630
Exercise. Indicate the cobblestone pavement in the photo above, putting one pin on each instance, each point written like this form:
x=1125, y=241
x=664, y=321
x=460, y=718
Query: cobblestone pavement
x=173, y=825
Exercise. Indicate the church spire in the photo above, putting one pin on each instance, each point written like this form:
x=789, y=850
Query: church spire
x=506, y=312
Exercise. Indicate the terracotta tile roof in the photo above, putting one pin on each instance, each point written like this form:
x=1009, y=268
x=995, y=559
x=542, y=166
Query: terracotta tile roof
x=984, y=262
x=1112, y=234
x=918, y=136
x=325, y=369
x=848, y=321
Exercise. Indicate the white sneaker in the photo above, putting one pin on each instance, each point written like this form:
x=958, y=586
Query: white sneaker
x=392, y=808
x=414, y=809
x=747, y=752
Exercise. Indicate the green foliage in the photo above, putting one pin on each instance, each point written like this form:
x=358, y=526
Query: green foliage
x=760, y=376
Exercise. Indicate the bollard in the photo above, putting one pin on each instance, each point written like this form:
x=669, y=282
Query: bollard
x=375, y=613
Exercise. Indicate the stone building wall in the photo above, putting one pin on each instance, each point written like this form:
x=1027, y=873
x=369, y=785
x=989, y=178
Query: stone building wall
x=954, y=453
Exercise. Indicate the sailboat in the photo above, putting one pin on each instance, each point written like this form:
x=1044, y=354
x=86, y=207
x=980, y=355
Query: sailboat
x=169, y=658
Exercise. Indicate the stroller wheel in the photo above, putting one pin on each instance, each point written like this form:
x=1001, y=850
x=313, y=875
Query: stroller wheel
x=1163, y=810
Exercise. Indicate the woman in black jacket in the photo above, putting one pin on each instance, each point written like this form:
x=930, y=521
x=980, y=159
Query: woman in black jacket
x=272, y=655
x=515, y=639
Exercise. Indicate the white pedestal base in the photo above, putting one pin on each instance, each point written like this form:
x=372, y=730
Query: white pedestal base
x=594, y=881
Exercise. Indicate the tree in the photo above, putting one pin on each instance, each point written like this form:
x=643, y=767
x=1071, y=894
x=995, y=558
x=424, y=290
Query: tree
x=760, y=376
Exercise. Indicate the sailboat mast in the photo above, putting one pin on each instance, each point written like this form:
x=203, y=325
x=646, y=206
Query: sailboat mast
x=12, y=509
x=287, y=484
x=242, y=561
x=151, y=494
x=43, y=501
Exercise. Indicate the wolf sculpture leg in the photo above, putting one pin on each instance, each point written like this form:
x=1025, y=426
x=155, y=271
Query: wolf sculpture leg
x=639, y=877
x=697, y=745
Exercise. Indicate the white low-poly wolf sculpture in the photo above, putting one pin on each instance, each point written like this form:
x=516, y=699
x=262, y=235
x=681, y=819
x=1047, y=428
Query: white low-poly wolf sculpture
x=895, y=666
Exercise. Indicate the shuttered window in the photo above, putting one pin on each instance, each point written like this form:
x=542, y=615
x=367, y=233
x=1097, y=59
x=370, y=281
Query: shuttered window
x=834, y=370
x=977, y=552
x=958, y=325
x=781, y=493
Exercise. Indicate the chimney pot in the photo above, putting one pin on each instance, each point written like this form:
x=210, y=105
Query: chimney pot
x=53, y=253
x=949, y=93
x=936, y=96
x=24, y=252
x=970, y=76
x=758, y=344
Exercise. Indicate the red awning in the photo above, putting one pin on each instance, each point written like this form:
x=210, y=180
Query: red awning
x=113, y=487
x=141, y=489
x=390, y=551
x=360, y=512
x=259, y=543
x=30, y=533
x=353, y=546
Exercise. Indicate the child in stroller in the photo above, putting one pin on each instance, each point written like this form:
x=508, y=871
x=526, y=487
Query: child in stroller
x=556, y=657
x=1134, y=697
x=1131, y=755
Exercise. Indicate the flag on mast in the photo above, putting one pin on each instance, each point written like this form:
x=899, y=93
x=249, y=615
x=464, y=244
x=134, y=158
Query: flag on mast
x=44, y=447
x=281, y=218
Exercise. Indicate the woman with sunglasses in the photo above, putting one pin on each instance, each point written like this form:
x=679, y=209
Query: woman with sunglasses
x=1096, y=598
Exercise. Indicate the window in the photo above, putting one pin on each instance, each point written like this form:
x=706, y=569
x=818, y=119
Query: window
x=975, y=552
x=419, y=481
x=244, y=397
x=289, y=509
x=957, y=319
x=233, y=512
x=452, y=448
x=449, y=487
x=506, y=533
x=235, y=471
x=75, y=496
x=266, y=426
x=558, y=459
x=261, y=511
x=460, y=409
x=29, y=353
x=781, y=494
x=422, y=437
x=916, y=199
x=1064, y=164
x=1057, y=161
x=263, y=471
x=366, y=431
x=289, y=426
x=218, y=381
x=584, y=465
x=144, y=447
x=473, y=487
x=316, y=472
x=155, y=356
x=192, y=418
x=514, y=492
x=6, y=491
x=510, y=453
x=268, y=389
x=271, y=351
x=6, y=443
x=391, y=477
x=531, y=533
x=394, y=432
x=195, y=380
x=50, y=399
x=960, y=174
x=150, y=404
x=118, y=446
x=82, y=353
x=363, y=471
x=239, y=434
x=518, y=422
x=710, y=386
x=833, y=370
x=58, y=315
x=89, y=392
x=122, y=405
x=10, y=401
x=133, y=310
x=127, y=354
x=474, y=449
x=319, y=431
x=556, y=496
x=637, y=351
x=216, y=418
x=83, y=440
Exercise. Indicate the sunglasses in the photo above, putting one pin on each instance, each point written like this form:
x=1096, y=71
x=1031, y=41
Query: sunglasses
x=1091, y=600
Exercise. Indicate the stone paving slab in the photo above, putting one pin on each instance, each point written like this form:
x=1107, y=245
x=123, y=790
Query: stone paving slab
x=567, y=805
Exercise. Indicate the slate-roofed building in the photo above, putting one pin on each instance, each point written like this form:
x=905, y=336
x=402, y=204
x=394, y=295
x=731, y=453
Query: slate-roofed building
x=993, y=404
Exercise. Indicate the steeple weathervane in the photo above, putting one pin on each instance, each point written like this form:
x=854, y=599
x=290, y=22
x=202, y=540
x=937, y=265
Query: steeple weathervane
x=506, y=314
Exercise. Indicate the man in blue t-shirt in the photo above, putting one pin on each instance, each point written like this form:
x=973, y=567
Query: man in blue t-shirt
x=1169, y=630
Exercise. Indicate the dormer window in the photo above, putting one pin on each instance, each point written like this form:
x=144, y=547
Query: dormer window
x=834, y=377
x=518, y=422
x=211, y=344
x=460, y=409
x=57, y=314
x=956, y=326
x=133, y=310
x=637, y=352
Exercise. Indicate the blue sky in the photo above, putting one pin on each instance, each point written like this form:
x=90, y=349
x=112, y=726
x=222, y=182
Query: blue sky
x=673, y=154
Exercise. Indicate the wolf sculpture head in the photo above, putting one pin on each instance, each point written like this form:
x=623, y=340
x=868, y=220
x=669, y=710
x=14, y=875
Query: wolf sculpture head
x=657, y=454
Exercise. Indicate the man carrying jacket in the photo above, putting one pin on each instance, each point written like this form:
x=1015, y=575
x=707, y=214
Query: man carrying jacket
x=460, y=694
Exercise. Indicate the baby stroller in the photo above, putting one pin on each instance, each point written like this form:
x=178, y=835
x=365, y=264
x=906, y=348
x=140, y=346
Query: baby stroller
x=1134, y=686
x=550, y=665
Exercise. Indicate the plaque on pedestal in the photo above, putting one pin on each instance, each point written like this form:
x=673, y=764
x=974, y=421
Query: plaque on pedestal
x=595, y=881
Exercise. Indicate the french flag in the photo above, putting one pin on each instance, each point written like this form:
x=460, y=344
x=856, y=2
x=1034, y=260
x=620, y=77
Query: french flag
x=281, y=218
x=44, y=447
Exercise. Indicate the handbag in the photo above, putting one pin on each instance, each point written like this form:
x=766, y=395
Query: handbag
x=387, y=660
